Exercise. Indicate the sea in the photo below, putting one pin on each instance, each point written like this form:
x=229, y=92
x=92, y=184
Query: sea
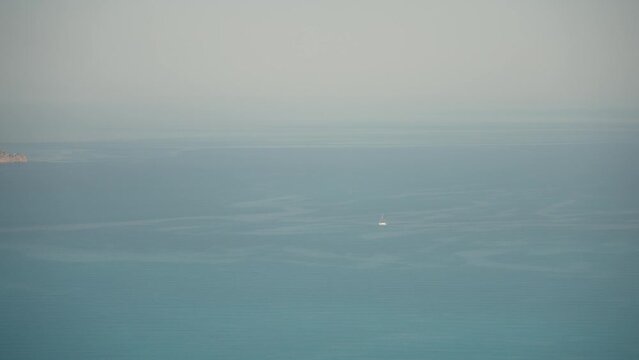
x=504, y=241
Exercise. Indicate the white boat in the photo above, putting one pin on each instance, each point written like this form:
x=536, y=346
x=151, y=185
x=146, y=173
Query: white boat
x=382, y=222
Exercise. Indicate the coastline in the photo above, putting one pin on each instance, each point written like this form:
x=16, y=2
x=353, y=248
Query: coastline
x=11, y=158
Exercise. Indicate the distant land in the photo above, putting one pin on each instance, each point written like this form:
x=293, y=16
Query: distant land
x=7, y=158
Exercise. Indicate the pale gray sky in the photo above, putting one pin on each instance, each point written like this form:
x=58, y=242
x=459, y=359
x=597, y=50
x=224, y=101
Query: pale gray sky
x=85, y=67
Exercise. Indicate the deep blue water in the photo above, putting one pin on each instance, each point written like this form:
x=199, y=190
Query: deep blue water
x=499, y=246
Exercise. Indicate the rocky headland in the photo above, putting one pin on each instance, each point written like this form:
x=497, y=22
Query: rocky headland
x=8, y=158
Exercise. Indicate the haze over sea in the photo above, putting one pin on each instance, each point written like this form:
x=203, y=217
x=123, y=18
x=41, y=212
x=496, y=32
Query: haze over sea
x=516, y=242
x=205, y=179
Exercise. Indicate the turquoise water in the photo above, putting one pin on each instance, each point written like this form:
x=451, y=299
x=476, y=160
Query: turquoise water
x=500, y=245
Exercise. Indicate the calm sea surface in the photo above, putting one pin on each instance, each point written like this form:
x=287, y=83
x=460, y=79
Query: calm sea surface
x=518, y=244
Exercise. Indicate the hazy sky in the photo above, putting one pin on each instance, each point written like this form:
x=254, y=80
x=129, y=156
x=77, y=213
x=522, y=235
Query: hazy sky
x=82, y=67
